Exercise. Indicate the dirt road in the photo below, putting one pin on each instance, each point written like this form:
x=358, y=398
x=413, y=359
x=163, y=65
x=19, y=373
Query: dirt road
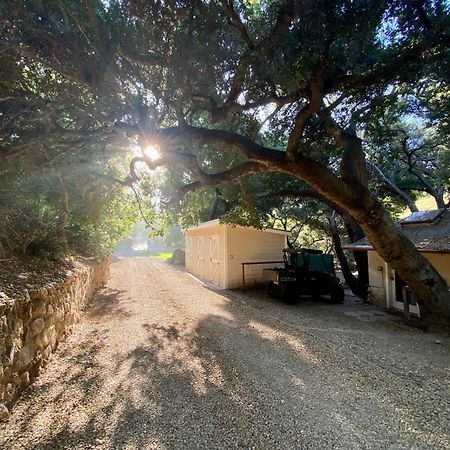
x=161, y=362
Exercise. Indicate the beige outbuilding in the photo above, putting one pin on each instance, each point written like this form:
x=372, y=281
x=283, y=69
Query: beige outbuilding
x=215, y=253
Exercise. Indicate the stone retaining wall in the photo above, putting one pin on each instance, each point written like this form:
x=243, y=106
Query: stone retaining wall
x=32, y=326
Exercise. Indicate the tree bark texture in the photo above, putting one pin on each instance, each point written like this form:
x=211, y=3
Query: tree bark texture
x=431, y=291
x=356, y=284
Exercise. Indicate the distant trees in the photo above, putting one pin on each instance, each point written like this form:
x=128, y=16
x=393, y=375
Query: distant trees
x=57, y=211
x=409, y=152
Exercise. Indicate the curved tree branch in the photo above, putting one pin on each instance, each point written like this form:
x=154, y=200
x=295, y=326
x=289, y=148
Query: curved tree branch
x=149, y=59
x=306, y=112
x=236, y=21
x=376, y=171
x=312, y=172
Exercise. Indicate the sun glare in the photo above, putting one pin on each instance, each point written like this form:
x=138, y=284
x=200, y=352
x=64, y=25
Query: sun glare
x=152, y=152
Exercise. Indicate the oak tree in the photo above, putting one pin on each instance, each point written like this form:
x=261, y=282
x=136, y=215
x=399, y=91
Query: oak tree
x=270, y=87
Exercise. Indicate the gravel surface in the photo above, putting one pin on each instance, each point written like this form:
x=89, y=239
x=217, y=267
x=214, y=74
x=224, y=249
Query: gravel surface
x=161, y=361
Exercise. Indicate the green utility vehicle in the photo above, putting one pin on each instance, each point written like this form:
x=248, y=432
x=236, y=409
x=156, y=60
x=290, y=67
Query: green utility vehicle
x=305, y=272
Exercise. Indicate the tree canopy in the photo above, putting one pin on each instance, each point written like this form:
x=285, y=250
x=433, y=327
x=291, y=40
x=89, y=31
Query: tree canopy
x=230, y=90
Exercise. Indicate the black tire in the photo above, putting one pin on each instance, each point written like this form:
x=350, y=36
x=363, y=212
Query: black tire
x=273, y=290
x=289, y=296
x=337, y=294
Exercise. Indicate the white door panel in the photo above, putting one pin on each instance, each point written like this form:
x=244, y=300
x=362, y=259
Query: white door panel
x=214, y=259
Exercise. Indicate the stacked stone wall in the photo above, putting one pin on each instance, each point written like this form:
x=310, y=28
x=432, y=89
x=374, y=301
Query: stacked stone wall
x=32, y=326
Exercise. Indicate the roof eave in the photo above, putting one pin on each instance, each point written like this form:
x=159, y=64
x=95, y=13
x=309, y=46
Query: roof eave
x=215, y=222
x=357, y=247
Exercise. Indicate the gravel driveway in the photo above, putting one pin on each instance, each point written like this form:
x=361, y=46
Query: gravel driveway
x=162, y=362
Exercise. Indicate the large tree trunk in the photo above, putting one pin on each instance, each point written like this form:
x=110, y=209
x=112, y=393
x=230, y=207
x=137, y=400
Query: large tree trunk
x=430, y=290
x=428, y=286
x=439, y=198
x=355, y=233
x=354, y=283
x=393, y=246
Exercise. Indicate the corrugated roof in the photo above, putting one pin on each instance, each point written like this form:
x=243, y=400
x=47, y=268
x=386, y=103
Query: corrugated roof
x=428, y=230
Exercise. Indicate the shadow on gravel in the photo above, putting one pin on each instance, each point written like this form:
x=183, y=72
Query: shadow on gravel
x=107, y=302
x=352, y=315
x=199, y=395
x=183, y=390
x=81, y=380
x=246, y=377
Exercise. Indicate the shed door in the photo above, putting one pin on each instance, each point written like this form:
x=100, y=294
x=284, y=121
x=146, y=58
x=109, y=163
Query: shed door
x=188, y=252
x=214, y=259
x=201, y=256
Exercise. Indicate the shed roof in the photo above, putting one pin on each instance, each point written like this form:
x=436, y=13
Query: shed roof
x=213, y=223
x=428, y=230
x=422, y=217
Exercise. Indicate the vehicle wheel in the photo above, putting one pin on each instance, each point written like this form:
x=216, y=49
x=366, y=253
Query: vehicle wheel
x=273, y=290
x=289, y=296
x=337, y=294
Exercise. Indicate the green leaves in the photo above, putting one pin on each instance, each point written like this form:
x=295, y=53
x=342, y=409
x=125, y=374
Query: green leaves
x=79, y=79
